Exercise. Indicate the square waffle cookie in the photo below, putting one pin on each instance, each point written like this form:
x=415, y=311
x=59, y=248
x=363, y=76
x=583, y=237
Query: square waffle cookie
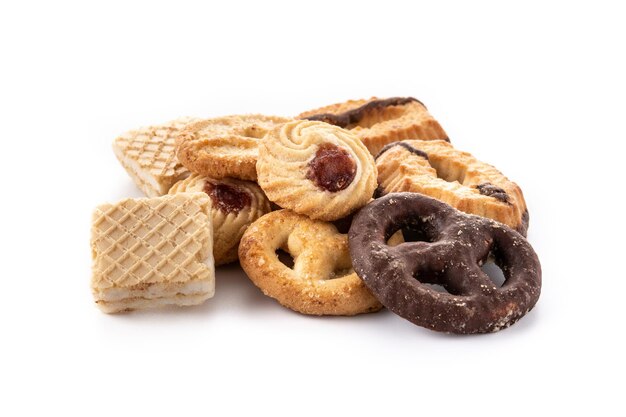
x=149, y=156
x=153, y=251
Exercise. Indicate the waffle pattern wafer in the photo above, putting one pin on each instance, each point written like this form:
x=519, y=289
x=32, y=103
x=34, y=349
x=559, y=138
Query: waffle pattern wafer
x=152, y=252
x=149, y=156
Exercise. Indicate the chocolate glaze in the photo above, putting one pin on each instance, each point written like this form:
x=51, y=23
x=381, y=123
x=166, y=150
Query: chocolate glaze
x=404, y=145
x=332, y=169
x=227, y=198
x=451, y=246
x=491, y=190
x=354, y=116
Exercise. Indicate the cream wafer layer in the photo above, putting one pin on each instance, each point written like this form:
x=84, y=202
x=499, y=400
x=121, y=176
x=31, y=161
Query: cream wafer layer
x=152, y=251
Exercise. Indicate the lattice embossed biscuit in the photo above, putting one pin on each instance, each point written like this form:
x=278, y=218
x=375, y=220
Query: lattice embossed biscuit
x=225, y=146
x=378, y=122
x=316, y=169
x=436, y=169
x=235, y=205
x=149, y=156
x=321, y=282
x=151, y=252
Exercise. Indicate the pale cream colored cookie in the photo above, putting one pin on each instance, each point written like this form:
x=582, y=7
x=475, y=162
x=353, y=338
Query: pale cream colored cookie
x=316, y=169
x=436, y=169
x=149, y=156
x=378, y=122
x=225, y=146
x=235, y=205
x=151, y=252
x=321, y=281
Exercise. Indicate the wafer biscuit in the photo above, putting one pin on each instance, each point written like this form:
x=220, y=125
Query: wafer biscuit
x=149, y=156
x=151, y=252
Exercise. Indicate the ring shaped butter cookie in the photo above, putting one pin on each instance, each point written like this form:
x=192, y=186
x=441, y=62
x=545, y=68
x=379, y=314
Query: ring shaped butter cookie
x=448, y=248
x=225, y=146
x=378, y=122
x=436, y=169
x=316, y=169
x=321, y=281
x=235, y=205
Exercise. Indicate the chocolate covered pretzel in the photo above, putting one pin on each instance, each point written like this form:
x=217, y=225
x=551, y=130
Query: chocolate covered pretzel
x=446, y=247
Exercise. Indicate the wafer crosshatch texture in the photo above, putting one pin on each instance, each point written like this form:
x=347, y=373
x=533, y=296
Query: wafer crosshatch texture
x=149, y=156
x=260, y=189
x=152, y=252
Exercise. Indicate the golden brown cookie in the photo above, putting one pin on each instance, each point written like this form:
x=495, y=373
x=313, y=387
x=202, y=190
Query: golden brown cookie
x=378, y=122
x=225, y=146
x=149, y=156
x=436, y=169
x=236, y=204
x=321, y=281
x=316, y=169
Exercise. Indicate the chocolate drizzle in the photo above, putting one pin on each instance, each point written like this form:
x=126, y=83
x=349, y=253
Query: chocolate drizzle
x=354, y=116
x=403, y=145
x=491, y=190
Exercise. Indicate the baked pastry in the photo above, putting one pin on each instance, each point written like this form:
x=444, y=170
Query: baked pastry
x=447, y=248
x=436, y=169
x=316, y=169
x=321, y=281
x=378, y=122
x=225, y=146
x=149, y=156
x=152, y=252
x=236, y=204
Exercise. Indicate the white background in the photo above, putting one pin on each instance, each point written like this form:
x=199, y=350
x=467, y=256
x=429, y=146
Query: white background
x=535, y=89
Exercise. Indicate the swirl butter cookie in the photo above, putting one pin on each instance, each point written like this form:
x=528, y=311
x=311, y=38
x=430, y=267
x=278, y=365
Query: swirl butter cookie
x=321, y=281
x=378, y=122
x=436, y=169
x=235, y=205
x=224, y=146
x=316, y=169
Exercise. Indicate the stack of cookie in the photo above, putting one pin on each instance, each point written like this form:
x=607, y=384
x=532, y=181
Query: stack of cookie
x=279, y=194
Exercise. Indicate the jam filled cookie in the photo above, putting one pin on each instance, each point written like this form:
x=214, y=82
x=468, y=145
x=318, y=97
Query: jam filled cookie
x=225, y=146
x=236, y=204
x=321, y=281
x=316, y=169
x=149, y=156
x=448, y=248
x=438, y=170
x=378, y=122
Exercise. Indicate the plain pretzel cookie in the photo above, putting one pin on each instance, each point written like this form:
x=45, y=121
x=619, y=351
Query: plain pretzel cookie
x=321, y=282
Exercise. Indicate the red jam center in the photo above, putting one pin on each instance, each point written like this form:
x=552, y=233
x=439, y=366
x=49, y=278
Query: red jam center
x=332, y=169
x=227, y=198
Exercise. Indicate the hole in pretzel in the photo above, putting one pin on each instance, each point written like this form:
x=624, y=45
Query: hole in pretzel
x=430, y=281
x=285, y=258
x=447, y=171
x=417, y=230
x=494, y=272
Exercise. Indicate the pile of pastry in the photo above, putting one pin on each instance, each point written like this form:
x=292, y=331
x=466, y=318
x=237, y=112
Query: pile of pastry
x=341, y=210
